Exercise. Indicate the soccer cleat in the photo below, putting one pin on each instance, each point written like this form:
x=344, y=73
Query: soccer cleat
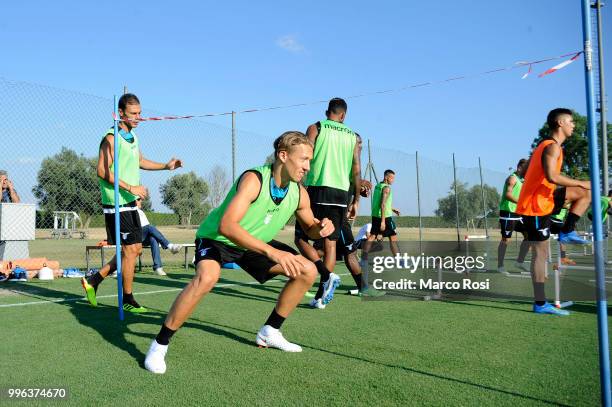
x=566, y=261
x=159, y=271
x=175, y=248
x=548, y=308
x=269, y=337
x=134, y=310
x=317, y=303
x=90, y=292
x=371, y=292
x=571, y=238
x=502, y=270
x=329, y=287
x=154, y=361
x=522, y=266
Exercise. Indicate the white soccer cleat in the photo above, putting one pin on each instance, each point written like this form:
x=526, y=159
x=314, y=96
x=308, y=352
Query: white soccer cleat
x=269, y=337
x=154, y=361
x=522, y=266
x=175, y=248
x=159, y=271
x=317, y=303
x=502, y=270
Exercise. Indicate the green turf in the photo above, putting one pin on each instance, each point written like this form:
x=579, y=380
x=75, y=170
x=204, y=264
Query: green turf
x=355, y=352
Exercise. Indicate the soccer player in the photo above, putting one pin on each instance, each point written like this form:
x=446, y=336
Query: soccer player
x=509, y=221
x=131, y=161
x=241, y=230
x=540, y=197
x=335, y=166
x=382, y=212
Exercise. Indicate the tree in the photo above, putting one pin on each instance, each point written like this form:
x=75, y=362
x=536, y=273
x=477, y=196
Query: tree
x=575, y=148
x=186, y=195
x=218, y=183
x=146, y=204
x=68, y=181
x=470, y=202
x=270, y=158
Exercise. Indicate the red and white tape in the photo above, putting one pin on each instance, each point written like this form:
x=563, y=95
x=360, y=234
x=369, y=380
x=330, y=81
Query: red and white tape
x=574, y=56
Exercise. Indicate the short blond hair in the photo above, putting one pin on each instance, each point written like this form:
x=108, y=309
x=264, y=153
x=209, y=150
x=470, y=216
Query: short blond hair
x=290, y=139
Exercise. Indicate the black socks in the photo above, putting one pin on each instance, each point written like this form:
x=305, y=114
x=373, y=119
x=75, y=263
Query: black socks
x=275, y=320
x=164, y=335
x=570, y=223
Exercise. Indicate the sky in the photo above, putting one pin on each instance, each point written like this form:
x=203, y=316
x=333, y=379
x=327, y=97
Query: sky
x=194, y=57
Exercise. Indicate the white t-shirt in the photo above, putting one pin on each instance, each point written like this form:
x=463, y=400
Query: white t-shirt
x=143, y=218
x=364, y=232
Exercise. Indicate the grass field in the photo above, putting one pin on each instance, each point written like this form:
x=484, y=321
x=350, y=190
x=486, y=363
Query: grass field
x=355, y=352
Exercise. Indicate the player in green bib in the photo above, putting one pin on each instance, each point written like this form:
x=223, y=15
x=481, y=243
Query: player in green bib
x=509, y=220
x=606, y=207
x=131, y=161
x=382, y=216
x=335, y=173
x=241, y=230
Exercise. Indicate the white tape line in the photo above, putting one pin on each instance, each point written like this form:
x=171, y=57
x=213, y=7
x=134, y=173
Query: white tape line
x=22, y=304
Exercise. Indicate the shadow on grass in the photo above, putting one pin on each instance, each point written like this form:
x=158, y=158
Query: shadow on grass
x=582, y=307
x=103, y=320
x=409, y=370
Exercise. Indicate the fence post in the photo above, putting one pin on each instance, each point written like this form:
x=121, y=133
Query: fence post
x=418, y=184
x=456, y=199
x=484, y=200
x=233, y=146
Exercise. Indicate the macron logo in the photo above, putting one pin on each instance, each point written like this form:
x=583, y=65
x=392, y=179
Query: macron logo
x=124, y=236
x=204, y=251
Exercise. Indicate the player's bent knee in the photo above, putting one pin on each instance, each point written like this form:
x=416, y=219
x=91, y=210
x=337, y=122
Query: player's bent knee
x=204, y=282
x=309, y=272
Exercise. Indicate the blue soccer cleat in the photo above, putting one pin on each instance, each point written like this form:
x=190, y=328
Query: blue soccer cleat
x=571, y=238
x=548, y=308
x=329, y=287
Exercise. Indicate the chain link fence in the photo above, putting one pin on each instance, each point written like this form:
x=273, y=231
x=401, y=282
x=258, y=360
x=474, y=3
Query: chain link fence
x=50, y=157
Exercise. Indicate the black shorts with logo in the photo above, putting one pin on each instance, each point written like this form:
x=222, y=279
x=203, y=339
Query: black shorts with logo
x=510, y=222
x=257, y=265
x=345, y=244
x=389, y=227
x=555, y=226
x=334, y=213
x=129, y=224
x=539, y=228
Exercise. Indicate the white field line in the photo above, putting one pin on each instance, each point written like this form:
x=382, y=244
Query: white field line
x=23, y=304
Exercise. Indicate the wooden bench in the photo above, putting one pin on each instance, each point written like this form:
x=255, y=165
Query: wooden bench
x=111, y=249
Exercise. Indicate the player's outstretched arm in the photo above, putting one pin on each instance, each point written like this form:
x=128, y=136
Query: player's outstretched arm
x=149, y=165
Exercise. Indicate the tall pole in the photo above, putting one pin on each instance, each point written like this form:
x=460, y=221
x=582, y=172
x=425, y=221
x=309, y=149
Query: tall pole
x=124, y=89
x=369, y=167
x=233, y=145
x=603, y=112
x=484, y=200
x=117, y=213
x=602, y=303
x=456, y=199
x=418, y=185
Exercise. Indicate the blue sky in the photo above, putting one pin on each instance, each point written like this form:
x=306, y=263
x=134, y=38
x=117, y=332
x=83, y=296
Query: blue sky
x=187, y=57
